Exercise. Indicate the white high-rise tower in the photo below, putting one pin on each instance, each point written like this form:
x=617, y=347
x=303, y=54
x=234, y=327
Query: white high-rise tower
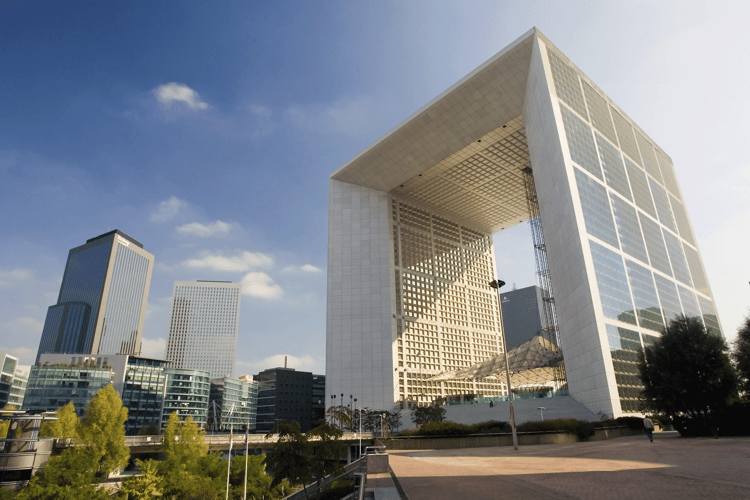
x=203, y=326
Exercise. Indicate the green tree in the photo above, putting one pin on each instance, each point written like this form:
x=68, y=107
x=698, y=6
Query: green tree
x=258, y=482
x=183, y=441
x=68, y=476
x=67, y=424
x=289, y=457
x=741, y=357
x=427, y=415
x=5, y=424
x=687, y=373
x=326, y=449
x=102, y=431
x=148, y=485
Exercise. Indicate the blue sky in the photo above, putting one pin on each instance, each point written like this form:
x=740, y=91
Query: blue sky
x=207, y=131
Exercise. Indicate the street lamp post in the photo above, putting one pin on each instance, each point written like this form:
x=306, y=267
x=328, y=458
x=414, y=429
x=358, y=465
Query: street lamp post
x=541, y=410
x=497, y=284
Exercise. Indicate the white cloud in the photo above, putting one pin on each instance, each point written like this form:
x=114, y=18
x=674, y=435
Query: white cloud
x=305, y=363
x=244, y=261
x=14, y=276
x=177, y=92
x=154, y=348
x=218, y=228
x=168, y=209
x=307, y=268
x=257, y=284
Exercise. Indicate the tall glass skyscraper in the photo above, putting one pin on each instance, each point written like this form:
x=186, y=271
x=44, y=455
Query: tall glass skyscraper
x=526, y=136
x=102, y=300
x=203, y=326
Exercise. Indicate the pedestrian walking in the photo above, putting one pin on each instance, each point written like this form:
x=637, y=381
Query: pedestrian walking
x=648, y=426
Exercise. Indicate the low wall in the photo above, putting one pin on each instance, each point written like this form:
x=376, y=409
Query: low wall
x=524, y=438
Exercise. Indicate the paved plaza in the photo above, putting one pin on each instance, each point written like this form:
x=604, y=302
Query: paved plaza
x=623, y=468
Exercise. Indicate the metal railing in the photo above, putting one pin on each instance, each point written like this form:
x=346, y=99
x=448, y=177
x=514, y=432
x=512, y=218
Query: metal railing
x=312, y=490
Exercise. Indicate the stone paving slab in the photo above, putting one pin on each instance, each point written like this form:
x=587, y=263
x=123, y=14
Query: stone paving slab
x=623, y=468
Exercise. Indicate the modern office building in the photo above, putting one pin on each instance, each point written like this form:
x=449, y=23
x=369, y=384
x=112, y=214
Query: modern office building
x=524, y=137
x=203, y=326
x=62, y=378
x=523, y=314
x=13, y=380
x=186, y=394
x=285, y=394
x=233, y=404
x=102, y=300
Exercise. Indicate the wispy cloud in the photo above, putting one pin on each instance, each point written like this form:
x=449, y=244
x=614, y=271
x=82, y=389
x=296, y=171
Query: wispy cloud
x=172, y=92
x=14, y=276
x=241, y=262
x=218, y=228
x=258, y=284
x=307, y=268
x=169, y=209
x=304, y=363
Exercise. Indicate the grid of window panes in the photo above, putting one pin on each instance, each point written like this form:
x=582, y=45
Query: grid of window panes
x=186, y=394
x=52, y=387
x=143, y=392
x=448, y=317
x=203, y=326
x=641, y=214
x=656, y=196
x=624, y=347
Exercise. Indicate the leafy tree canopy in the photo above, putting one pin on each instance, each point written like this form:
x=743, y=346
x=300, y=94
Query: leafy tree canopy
x=67, y=424
x=290, y=456
x=687, y=372
x=427, y=415
x=741, y=356
x=102, y=431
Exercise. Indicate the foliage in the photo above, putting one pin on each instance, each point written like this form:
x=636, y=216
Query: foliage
x=741, y=357
x=375, y=420
x=146, y=486
x=5, y=424
x=443, y=429
x=183, y=441
x=339, y=416
x=258, y=482
x=289, y=458
x=428, y=414
x=582, y=429
x=151, y=429
x=326, y=449
x=687, y=374
x=68, y=476
x=490, y=427
x=102, y=431
x=67, y=424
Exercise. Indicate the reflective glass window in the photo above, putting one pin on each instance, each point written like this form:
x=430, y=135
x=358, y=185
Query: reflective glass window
x=689, y=303
x=625, y=136
x=614, y=169
x=566, y=83
x=679, y=264
x=596, y=212
x=667, y=172
x=644, y=293
x=681, y=217
x=599, y=112
x=628, y=228
x=700, y=282
x=670, y=303
x=624, y=347
x=649, y=159
x=641, y=193
x=710, y=318
x=657, y=251
x=581, y=143
x=613, y=284
x=662, y=205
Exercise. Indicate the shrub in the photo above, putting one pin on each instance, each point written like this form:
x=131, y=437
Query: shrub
x=444, y=429
x=490, y=427
x=339, y=489
x=582, y=429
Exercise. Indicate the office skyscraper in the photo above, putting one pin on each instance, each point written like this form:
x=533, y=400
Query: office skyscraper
x=102, y=301
x=203, y=326
x=526, y=136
